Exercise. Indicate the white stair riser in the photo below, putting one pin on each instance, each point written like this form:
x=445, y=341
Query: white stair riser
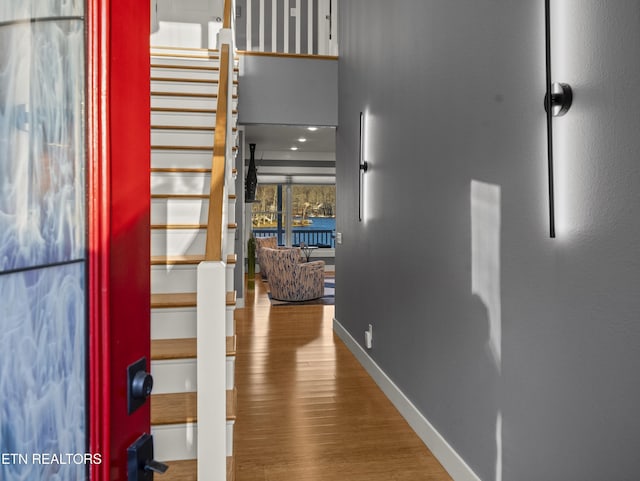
x=182, y=138
x=180, y=158
x=202, y=61
x=184, y=87
x=173, y=323
x=197, y=138
x=230, y=323
x=230, y=244
x=187, y=102
x=230, y=379
x=181, y=73
x=175, y=442
x=231, y=268
x=231, y=208
x=174, y=242
x=190, y=119
x=204, y=67
x=180, y=182
x=179, y=211
x=167, y=279
x=187, y=119
x=187, y=87
x=230, y=438
x=172, y=376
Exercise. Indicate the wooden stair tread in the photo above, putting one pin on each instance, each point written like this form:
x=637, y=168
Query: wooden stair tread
x=181, y=55
x=178, y=226
x=231, y=298
x=180, y=299
x=184, y=470
x=192, y=128
x=233, y=196
x=187, y=80
x=177, y=260
x=180, y=170
x=174, y=408
x=231, y=404
x=231, y=345
x=204, y=128
x=183, y=94
x=186, y=49
x=185, y=110
x=179, y=196
x=187, y=94
x=232, y=258
x=232, y=225
x=166, y=349
x=187, y=67
x=208, y=148
x=182, y=407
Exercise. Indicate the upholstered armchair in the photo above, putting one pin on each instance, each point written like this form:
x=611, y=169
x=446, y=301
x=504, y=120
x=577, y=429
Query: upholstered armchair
x=261, y=243
x=292, y=280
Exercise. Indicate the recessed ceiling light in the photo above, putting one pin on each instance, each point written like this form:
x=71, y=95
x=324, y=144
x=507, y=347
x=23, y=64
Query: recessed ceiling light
x=294, y=148
x=302, y=139
x=312, y=129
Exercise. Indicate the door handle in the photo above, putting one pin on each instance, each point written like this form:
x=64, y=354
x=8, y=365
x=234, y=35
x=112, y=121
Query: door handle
x=140, y=463
x=156, y=466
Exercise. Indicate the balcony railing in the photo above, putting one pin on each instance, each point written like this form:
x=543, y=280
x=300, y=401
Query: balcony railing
x=311, y=237
x=287, y=27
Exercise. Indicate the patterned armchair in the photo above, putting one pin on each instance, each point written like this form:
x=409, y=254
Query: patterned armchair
x=292, y=280
x=261, y=243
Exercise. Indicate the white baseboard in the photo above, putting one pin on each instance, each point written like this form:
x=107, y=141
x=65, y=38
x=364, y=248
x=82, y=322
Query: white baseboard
x=448, y=457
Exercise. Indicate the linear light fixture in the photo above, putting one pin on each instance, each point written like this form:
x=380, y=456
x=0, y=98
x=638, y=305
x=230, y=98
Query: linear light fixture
x=362, y=168
x=557, y=102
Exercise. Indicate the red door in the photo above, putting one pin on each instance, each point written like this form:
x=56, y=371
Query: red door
x=119, y=202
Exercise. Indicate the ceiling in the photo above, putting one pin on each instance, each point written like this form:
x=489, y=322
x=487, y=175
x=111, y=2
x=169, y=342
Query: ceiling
x=281, y=138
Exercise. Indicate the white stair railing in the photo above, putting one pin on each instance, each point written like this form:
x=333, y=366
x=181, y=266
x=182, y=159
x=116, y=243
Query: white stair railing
x=213, y=440
x=314, y=29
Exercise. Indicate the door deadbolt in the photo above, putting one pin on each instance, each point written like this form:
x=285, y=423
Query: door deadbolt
x=139, y=384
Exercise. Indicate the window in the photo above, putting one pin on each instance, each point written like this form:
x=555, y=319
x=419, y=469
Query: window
x=312, y=217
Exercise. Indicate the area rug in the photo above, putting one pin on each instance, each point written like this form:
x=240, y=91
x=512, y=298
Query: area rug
x=327, y=300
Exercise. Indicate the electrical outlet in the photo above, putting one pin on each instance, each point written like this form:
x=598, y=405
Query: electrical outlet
x=368, y=337
x=339, y=237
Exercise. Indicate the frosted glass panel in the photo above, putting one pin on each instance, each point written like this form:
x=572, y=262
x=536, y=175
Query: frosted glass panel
x=41, y=143
x=42, y=372
x=11, y=10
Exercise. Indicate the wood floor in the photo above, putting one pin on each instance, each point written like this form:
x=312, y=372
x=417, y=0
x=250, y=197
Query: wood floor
x=307, y=410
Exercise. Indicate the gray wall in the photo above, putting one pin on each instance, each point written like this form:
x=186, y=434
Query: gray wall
x=297, y=91
x=542, y=334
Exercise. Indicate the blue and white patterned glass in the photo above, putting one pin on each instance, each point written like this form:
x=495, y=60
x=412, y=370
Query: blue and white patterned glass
x=43, y=327
x=43, y=374
x=41, y=143
x=13, y=10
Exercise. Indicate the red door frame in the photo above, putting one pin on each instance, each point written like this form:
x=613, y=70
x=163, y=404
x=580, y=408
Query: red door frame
x=118, y=218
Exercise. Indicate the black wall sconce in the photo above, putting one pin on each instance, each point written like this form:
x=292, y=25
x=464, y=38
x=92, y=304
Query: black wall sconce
x=557, y=102
x=362, y=167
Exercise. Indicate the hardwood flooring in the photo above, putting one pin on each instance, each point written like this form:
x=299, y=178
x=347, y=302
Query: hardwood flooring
x=307, y=410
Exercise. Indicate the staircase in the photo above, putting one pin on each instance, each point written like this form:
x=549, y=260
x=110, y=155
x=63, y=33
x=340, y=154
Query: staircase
x=184, y=100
